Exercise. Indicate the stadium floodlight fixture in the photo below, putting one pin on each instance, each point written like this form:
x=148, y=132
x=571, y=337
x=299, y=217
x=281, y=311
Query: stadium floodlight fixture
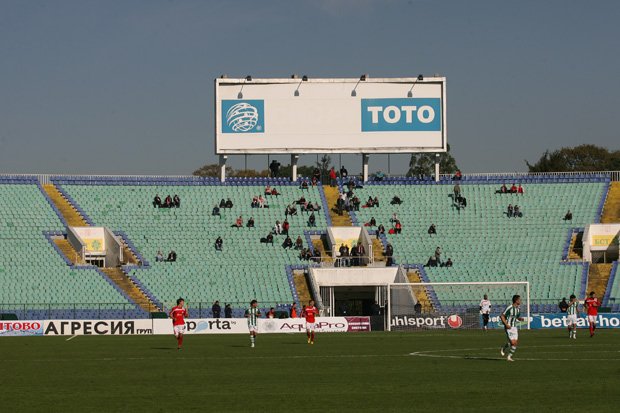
x=240, y=95
x=353, y=93
x=304, y=78
x=296, y=92
x=248, y=78
x=363, y=77
x=420, y=77
x=410, y=93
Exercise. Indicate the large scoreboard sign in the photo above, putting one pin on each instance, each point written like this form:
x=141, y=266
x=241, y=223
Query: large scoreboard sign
x=330, y=115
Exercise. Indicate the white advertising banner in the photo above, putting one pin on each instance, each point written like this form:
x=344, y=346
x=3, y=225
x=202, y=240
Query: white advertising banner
x=330, y=115
x=97, y=327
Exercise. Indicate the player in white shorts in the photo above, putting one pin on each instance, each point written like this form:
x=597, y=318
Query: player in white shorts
x=253, y=314
x=572, y=315
x=510, y=317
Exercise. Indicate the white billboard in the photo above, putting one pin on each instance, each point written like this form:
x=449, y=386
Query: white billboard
x=330, y=115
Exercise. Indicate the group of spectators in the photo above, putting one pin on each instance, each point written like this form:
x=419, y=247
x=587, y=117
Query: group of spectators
x=169, y=202
x=513, y=189
x=172, y=256
x=259, y=202
x=307, y=254
x=352, y=257
x=514, y=211
x=435, y=260
x=216, y=310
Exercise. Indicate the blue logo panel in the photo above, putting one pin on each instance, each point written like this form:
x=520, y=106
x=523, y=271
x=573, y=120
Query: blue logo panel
x=243, y=116
x=401, y=115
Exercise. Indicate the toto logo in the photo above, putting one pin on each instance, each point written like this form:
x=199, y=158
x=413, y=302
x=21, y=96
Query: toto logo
x=455, y=321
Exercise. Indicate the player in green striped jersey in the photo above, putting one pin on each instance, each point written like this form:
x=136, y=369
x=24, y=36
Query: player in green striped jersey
x=572, y=315
x=510, y=317
x=253, y=314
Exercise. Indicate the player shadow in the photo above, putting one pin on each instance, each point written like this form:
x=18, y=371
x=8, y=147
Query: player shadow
x=476, y=358
x=163, y=348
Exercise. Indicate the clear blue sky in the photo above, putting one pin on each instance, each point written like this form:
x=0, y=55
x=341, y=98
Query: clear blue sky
x=127, y=86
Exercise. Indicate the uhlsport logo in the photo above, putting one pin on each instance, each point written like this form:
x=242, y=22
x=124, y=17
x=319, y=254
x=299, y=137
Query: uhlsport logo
x=245, y=116
x=455, y=321
x=401, y=115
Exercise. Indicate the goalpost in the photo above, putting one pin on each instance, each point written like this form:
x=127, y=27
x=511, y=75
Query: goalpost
x=451, y=305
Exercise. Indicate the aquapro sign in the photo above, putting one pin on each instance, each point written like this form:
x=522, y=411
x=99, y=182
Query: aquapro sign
x=401, y=115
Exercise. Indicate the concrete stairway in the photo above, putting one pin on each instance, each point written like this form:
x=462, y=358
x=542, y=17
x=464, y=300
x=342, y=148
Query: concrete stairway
x=303, y=288
x=377, y=252
x=326, y=255
x=68, y=250
x=331, y=196
x=121, y=279
x=576, y=240
x=421, y=293
x=71, y=215
x=598, y=276
x=611, y=209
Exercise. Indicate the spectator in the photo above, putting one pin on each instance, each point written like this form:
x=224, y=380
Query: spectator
x=229, y=204
x=250, y=223
x=299, y=243
x=285, y=227
x=361, y=252
x=222, y=203
x=293, y=312
x=268, y=190
x=457, y=176
x=517, y=212
x=332, y=176
x=227, y=311
x=316, y=256
x=159, y=257
x=305, y=254
x=398, y=227
x=168, y=202
x=157, y=201
x=457, y=191
x=344, y=255
x=274, y=167
x=216, y=309
x=432, y=230
x=172, y=256
x=274, y=192
x=396, y=201
x=254, y=203
x=301, y=200
x=316, y=176
x=375, y=202
x=438, y=255
x=219, y=244
x=271, y=313
x=177, y=201
x=417, y=308
x=268, y=239
x=277, y=228
x=355, y=256
x=380, y=231
x=238, y=223
x=290, y=210
x=502, y=190
x=379, y=176
x=520, y=190
x=394, y=218
x=510, y=211
x=389, y=250
x=563, y=305
x=343, y=172
x=448, y=263
x=262, y=202
x=513, y=189
x=288, y=243
x=316, y=206
x=355, y=201
x=432, y=262
x=304, y=185
x=373, y=222
x=312, y=220
x=370, y=203
x=568, y=216
x=216, y=211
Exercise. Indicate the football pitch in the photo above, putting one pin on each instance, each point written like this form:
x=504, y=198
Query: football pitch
x=448, y=371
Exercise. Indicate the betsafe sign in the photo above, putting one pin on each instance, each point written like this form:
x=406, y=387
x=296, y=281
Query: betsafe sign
x=243, y=116
x=401, y=115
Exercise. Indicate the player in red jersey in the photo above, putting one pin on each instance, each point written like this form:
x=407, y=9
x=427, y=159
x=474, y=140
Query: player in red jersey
x=178, y=315
x=309, y=312
x=592, y=304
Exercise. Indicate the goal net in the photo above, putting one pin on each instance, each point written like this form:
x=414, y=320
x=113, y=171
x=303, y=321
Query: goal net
x=443, y=305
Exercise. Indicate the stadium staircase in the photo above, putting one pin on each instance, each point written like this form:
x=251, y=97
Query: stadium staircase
x=377, y=251
x=573, y=252
x=301, y=283
x=414, y=277
x=331, y=195
x=114, y=274
x=326, y=255
x=598, y=277
x=611, y=210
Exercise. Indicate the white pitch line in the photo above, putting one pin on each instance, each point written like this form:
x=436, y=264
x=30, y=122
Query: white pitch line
x=71, y=338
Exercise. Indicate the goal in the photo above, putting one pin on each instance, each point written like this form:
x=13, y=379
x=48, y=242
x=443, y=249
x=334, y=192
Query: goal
x=446, y=305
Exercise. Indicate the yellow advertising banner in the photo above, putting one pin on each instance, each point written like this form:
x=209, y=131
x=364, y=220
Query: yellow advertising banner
x=603, y=240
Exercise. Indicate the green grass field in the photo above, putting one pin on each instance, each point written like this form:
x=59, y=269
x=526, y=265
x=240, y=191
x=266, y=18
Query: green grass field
x=453, y=371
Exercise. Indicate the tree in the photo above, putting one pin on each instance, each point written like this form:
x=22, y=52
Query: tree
x=211, y=170
x=423, y=164
x=578, y=159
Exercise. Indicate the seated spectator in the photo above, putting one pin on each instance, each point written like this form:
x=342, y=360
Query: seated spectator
x=168, y=202
x=457, y=176
x=290, y=210
x=250, y=223
x=398, y=227
x=255, y=203
x=502, y=190
x=568, y=216
x=517, y=212
x=216, y=211
x=268, y=239
x=355, y=201
x=457, y=190
x=285, y=227
x=157, y=201
x=370, y=203
x=380, y=231
x=288, y=242
x=316, y=206
x=271, y=313
x=262, y=202
x=520, y=190
x=513, y=189
x=432, y=230
x=379, y=176
x=376, y=202
x=312, y=220
x=159, y=257
x=432, y=262
x=268, y=190
x=448, y=263
x=389, y=250
x=301, y=200
x=172, y=256
x=274, y=192
x=222, y=203
x=460, y=202
x=394, y=217
x=306, y=206
x=316, y=256
x=229, y=204
x=371, y=223
x=277, y=228
x=396, y=201
x=299, y=243
x=343, y=172
x=304, y=185
x=510, y=211
x=219, y=244
x=177, y=201
x=238, y=222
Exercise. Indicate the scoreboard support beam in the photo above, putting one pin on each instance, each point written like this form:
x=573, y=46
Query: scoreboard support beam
x=365, y=159
x=222, y=166
x=294, y=161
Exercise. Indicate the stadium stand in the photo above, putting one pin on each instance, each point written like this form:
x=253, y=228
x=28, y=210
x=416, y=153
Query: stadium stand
x=483, y=243
x=244, y=269
x=35, y=281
